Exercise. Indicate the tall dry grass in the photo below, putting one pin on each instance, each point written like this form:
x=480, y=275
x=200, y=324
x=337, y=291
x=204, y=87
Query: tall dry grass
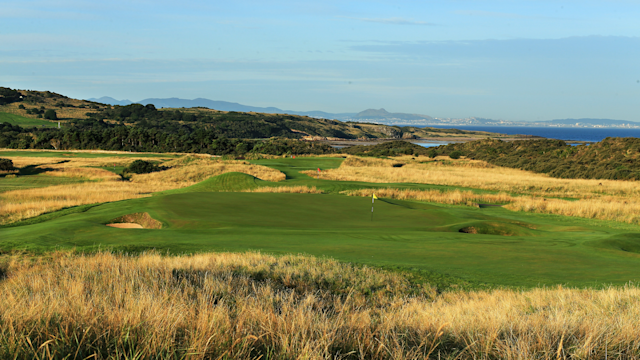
x=252, y=306
x=455, y=197
x=22, y=204
x=604, y=208
x=286, y=189
x=475, y=174
x=595, y=199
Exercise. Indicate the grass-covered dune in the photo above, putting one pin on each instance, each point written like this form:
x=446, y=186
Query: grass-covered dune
x=611, y=158
x=198, y=260
x=471, y=246
x=251, y=306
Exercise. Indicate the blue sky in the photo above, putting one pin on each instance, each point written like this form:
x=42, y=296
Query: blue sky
x=515, y=60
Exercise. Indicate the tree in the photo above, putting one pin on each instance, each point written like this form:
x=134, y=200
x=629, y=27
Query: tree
x=455, y=154
x=6, y=165
x=50, y=115
x=433, y=153
x=8, y=96
x=142, y=167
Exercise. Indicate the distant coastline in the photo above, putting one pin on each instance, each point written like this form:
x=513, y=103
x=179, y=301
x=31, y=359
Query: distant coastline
x=580, y=134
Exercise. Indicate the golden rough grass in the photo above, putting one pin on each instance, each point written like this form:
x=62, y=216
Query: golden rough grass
x=603, y=208
x=596, y=199
x=287, y=189
x=476, y=174
x=22, y=204
x=455, y=197
x=249, y=306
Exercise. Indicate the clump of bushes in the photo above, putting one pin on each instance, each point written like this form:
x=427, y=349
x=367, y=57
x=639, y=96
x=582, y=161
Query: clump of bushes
x=142, y=167
x=50, y=115
x=455, y=154
x=6, y=165
x=391, y=148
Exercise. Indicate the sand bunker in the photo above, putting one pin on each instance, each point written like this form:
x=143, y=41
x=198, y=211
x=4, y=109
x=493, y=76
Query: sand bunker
x=126, y=226
x=135, y=221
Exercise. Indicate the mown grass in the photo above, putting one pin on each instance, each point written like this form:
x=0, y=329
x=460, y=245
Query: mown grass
x=202, y=211
x=14, y=119
x=249, y=306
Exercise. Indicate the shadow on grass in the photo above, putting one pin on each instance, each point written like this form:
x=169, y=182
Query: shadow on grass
x=35, y=169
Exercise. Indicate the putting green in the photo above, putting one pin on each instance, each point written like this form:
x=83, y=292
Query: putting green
x=478, y=245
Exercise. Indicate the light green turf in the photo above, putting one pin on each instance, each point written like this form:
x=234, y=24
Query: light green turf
x=420, y=237
x=24, y=121
x=33, y=181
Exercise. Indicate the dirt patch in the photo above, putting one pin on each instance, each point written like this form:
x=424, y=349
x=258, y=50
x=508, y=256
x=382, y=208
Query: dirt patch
x=469, y=230
x=135, y=221
x=126, y=226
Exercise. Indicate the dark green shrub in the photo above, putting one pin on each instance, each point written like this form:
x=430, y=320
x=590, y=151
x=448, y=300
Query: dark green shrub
x=21, y=106
x=455, y=154
x=142, y=167
x=433, y=153
x=50, y=115
x=6, y=165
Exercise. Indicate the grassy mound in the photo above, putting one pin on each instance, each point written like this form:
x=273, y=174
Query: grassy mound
x=143, y=219
x=495, y=228
x=624, y=242
x=232, y=181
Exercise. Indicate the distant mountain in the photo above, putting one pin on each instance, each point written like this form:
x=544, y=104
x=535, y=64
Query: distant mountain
x=383, y=115
x=369, y=115
x=220, y=105
x=111, y=101
x=211, y=104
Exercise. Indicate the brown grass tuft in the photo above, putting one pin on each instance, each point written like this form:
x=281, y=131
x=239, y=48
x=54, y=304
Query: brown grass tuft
x=455, y=197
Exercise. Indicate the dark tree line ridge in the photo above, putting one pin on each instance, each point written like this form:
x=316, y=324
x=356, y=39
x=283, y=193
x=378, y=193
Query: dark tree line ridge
x=611, y=158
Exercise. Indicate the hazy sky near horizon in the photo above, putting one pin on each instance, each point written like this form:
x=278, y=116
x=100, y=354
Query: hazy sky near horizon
x=513, y=60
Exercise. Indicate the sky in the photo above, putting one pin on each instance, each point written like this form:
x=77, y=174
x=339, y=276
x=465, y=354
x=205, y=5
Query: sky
x=512, y=60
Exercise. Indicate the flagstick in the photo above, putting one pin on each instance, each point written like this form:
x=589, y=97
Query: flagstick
x=372, y=201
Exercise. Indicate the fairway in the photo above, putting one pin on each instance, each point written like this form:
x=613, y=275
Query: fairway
x=491, y=245
x=24, y=121
x=541, y=250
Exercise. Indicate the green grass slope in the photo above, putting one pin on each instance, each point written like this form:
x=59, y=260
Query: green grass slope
x=24, y=121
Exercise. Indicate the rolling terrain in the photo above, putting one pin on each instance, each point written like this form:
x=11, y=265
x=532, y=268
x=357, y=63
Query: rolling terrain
x=490, y=246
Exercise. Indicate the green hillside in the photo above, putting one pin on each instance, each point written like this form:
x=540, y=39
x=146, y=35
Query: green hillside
x=24, y=121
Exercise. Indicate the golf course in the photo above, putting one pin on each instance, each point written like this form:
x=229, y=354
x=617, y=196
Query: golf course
x=447, y=244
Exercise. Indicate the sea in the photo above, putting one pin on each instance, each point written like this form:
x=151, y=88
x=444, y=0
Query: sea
x=560, y=133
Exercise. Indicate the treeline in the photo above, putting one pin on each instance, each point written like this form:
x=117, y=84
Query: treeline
x=231, y=124
x=612, y=158
x=126, y=138
x=391, y=148
x=8, y=96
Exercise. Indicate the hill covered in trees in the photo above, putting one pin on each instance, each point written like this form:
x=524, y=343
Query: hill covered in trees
x=612, y=158
x=229, y=124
